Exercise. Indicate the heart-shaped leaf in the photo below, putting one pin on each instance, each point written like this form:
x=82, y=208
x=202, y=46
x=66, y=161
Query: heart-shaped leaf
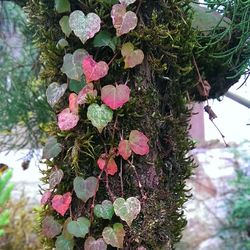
x=85, y=189
x=127, y=2
x=138, y=142
x=104, y=210
x=93, y=70
x=127, y=210
x=51, y=149
x=123, y=21
x=79, y=228
x=92, y=244
x=73, y=105
x=111, y=167
x=64, y=23
x=64, y=244
x=84, y=27
x=62, y=6
x=88, y=90
x=104, y=39
x=124, y=149
x=54, y=92
x=114, y=236
x=45, y=197
x=99, y=116
x=131, y=57
x=50, y=227
x=65, y=232
x=67, y=120
x=55, y=178
x=61, y=203
x=115, y=96
x=72, y=64
x=76, y=86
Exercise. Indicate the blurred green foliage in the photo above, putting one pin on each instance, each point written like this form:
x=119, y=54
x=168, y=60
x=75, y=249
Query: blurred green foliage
x=23, y=104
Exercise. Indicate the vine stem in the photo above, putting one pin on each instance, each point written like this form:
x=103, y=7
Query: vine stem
x=144, y=197
x=113, y=58
x=120, y=175
x=111, y=194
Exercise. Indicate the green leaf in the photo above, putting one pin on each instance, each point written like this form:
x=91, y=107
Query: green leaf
x=54, y=92
x=51, y=149
x=51, y=227
x=79, y=228
x=64, y=23
x=99, y=116
x=62, y=43
x=127, y=210
x=72, y=64
x=85, y=189
x=4, y=218
x=62, y=6
x=64, y=244
x=65, y=232
x=103, y=39
x=105, y=210
x=114, y=236
x=76, y=86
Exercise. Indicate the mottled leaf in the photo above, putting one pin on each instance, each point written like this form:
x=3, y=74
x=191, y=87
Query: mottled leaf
x=51, y=149
x=111, y=167
x=123, y=21
x=45, y=197
x=92, y=70
x=124, y=149
x=67, y=120
x=127, y=210
x=104, y=210
x=115, y=96
x=62, y=6
x=64, y=23
x=62, y=43
x=92, y=244
x=114, y=236
x=84, y=27
x=72, y=64
x=99, y=116
x=88, y=90
x=104, y=39
x=79, y=228
x=127, y=2
x=131, y=57
x=54, y=92
x=50, y=227
x=64, y=244
x=85, y=189
x=138, y=142
x=55, y=178
x=61, y=203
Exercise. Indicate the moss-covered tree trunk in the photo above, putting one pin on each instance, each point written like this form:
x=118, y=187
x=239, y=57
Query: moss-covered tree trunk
x=157, y=107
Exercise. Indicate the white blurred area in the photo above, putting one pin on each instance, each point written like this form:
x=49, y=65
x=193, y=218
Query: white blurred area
x=232, y=117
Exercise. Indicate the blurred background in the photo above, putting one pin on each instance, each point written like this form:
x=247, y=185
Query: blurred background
x=218, y=212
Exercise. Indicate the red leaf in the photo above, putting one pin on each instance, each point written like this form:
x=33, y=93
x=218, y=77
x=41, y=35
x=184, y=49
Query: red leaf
x=73, y=105
x=115, y=96
x=67, y=120
x=87, y=90
x=124, y=149
x=61, y=203
x=45, y=198
x=111, y=167
x=93, y=70
x=138, y=142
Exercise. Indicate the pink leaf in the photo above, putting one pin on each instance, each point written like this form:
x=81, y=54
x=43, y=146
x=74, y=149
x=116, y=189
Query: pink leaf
x=87, y=90
x=50, y=227
x=67, y=120
x=124, y=149
x=61, y=203
x=123, y=21
x=111, y=167
x=73, y=106
x=138, y=142
x=131, y=57
x=115, y=96
x=45, y=198
x=93, y=70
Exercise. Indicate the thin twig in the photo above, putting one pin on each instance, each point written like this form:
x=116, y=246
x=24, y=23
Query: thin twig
x=120, y=175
